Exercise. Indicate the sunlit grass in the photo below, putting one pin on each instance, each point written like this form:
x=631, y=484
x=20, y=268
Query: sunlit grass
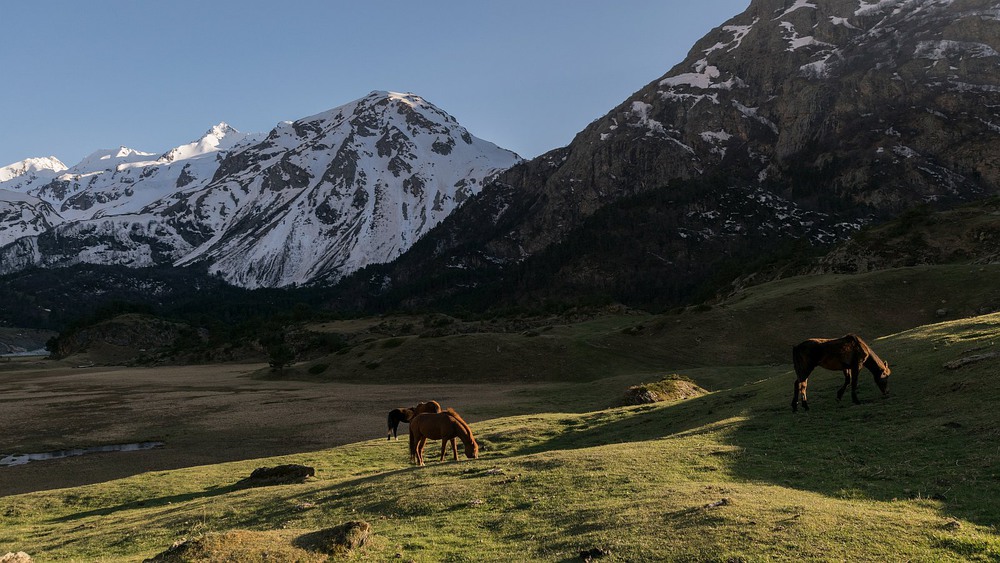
x=733, y=475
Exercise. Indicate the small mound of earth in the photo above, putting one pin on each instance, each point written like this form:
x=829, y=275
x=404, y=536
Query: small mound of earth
x=239, y=545
x=338, y=540
x=244, y=545
x=671, y=388
x=19, y=557
x=278, y=475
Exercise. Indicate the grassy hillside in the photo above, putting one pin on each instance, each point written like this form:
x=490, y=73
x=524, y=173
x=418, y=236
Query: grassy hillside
x=757, y=326
x=729, y=476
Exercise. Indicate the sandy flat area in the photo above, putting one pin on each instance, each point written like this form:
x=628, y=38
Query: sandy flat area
x=203, y=415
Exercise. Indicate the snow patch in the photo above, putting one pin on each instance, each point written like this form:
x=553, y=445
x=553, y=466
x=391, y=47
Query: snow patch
x=752, y=114
x=798, y=5
x=715, y=136
x=641, y=111
x=944, y=49
x=866, y=8
x=702, y=77
x=796, y=42
x=842, y=22
x=738, y=31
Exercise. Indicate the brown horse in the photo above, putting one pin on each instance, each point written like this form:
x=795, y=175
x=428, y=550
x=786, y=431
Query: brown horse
x=404, y=414
x=847, y=353
x=444, y=426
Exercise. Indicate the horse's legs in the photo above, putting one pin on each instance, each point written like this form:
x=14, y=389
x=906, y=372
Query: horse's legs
x=444, y=445
x=795, y=395
x=454, y=449
x=800, y=392
x=847, y=380
x=854, y=385
x=420, y=449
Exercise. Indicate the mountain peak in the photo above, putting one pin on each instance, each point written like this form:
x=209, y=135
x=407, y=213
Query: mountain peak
x=109, y=159
x=219, y=137
x=47, y=164
x=314, y=199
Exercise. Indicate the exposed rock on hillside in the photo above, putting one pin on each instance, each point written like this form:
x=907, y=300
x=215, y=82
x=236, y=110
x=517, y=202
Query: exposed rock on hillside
x=800, y=121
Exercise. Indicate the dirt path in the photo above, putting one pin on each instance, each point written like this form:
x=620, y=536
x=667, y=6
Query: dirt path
x=203, y=414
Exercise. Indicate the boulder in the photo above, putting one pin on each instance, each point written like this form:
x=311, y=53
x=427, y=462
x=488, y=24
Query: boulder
x=278, y=475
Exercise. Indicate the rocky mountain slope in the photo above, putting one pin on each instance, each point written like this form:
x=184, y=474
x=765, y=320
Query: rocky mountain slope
x=313, y=199
x=795, y=120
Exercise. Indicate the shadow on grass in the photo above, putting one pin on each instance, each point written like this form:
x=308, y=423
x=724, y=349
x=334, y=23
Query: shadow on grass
x=152, y=503
x=638, y=424
x=923, y=442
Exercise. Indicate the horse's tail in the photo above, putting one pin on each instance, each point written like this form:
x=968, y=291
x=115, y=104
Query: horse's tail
x=392, y=423
x=799, y=361
x=413, y=444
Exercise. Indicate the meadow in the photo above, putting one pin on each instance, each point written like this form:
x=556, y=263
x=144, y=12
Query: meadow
x=564, y=469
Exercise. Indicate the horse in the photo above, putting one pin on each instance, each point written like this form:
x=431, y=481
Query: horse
x=847, y=353
x=404, y=414
x=444, y=426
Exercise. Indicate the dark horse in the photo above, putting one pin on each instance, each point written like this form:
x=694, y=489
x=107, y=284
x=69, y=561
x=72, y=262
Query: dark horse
x=847, y=353
x=404, y=414
x=444, y=426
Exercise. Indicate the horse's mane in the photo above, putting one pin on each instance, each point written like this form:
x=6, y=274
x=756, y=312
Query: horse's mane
x=460, y=420
x=872, y=356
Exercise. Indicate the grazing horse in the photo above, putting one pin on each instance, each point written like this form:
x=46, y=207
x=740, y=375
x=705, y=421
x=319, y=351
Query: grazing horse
x=444, y=426
x=847, y=353
x=404, y=414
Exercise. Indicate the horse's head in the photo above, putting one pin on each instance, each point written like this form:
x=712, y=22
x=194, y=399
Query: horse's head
x=883, y=380
x=473, y=451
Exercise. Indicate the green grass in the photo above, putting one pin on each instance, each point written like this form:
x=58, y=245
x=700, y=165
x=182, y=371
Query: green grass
x=729, y=476
x=757, y=326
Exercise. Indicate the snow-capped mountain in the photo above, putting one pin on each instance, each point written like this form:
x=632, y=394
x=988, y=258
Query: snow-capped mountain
x=313, y=199
x=796, y=120
x=32, y=168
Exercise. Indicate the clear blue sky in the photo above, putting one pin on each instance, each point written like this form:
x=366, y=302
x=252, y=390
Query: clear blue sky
x=78, y=76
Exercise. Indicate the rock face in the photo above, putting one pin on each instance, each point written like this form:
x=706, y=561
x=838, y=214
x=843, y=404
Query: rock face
x=313, y=199
x=799, y=119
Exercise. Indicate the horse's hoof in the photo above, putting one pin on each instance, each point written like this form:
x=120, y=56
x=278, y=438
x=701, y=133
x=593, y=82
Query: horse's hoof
x=805, y=405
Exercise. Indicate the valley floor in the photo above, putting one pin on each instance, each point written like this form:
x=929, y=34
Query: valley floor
x=731, y=475
x=203, y=414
